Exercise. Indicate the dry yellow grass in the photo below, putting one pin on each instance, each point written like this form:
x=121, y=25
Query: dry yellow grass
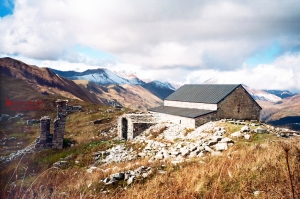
x=259, y=168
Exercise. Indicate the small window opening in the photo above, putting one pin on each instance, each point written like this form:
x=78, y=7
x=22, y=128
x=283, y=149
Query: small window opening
x=239, y=106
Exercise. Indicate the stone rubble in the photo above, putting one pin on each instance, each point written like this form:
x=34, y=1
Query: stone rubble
x=116, y=154
x=128, y=176
x=29, y=149
x=177, y=144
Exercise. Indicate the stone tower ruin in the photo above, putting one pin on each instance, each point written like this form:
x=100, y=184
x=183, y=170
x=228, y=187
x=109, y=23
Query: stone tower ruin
x=55, y=140
x=59, y=124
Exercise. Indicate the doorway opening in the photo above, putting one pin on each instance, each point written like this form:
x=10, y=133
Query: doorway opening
x=124, y=128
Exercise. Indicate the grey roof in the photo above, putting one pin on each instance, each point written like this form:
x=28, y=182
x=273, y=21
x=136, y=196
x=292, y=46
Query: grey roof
x=202, y=93
x=184, y=112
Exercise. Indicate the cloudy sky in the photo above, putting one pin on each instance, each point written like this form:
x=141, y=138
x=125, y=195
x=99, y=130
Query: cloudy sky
x=256, y=43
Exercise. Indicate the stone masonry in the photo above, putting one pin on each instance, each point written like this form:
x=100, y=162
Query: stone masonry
x=131, y=125
x=55, y=140
x=44, y=129
x=59, y=124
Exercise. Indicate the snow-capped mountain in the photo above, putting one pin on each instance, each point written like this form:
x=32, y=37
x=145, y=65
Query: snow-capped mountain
x=162, y=84
x=255, y=93
x=100, y=76
x=130, y=77
x=160, y=89
x=281, y=93
x=262, y=95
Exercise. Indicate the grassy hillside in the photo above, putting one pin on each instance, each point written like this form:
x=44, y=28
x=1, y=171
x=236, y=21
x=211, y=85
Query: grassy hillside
x=263, y=167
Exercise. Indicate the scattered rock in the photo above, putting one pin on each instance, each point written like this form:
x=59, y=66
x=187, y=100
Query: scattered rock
x=260, y=130
x=221, y=146
x=245, y=129
x=61, y=164
x=247, y=136
x=236, y=134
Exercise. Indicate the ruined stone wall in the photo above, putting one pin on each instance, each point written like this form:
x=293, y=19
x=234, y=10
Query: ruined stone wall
x=59, y=124
x=138, y=128
x=71, y=109
x=131, y=125
x=238, y=105
x=205, y=118
x=44, y=129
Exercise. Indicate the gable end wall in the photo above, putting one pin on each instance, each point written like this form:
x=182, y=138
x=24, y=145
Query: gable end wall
x=238, y=105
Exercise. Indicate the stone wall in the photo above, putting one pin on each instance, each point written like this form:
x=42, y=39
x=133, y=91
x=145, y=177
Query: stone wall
x=205, y=118
x=238, y=105
x=184, y=121
x=131, y=125
x=59, y=124
x=190, y=105
x=71, y=109
x=44, y=129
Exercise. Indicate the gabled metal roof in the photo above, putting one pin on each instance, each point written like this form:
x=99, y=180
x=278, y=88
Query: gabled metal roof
x=183, y=112
x=202, y=93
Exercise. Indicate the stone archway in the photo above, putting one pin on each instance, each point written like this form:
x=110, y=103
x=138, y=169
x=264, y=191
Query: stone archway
x=124, y=124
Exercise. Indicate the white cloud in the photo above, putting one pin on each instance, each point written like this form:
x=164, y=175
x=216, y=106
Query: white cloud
x=283, y=73
x=183, y=41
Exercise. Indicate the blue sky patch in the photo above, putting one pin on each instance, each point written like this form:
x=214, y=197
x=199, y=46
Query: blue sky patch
x=6, y=7
x=92, y=53
x=265, y=56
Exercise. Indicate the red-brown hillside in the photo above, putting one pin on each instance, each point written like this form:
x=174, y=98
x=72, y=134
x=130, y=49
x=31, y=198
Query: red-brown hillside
x=44, y=80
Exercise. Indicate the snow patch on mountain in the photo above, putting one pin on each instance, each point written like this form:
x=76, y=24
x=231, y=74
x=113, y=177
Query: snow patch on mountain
x=107, y=77
x=102, y=76
x=262, y=95
x=281, y=93
x=163, y=85
x=130, y=77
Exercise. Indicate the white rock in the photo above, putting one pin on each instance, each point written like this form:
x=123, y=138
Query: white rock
x=166, y=155
x=216, y=138
x=221, y=146
x=207, y=148
x=130, y=180
x=201, y=154
x=256, y=193
x=245, y=129
x=216, y=153
x=260, y=130
x=226, y=140
x=236, y=134
x=142, y=154
x=185, y=152
x=176, y=161
x=159, y=156
x=193, y=154
x=247, y=136
x=217, y=128
x=219, y=133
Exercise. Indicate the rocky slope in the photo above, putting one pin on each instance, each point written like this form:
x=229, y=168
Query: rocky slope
x=284, y=108
x=130, y=96
x=44, y=80
x=104, y=77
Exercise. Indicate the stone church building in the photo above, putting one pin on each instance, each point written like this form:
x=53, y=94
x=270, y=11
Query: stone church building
x=195, y=104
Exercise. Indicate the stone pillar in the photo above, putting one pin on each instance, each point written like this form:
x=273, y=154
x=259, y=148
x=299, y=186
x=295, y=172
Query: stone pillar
x=59, y=124
x=44, y=129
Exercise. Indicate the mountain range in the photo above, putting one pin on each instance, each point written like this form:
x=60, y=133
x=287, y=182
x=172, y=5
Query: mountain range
x=45, y=81
x=102, y=76
x=102, y=86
